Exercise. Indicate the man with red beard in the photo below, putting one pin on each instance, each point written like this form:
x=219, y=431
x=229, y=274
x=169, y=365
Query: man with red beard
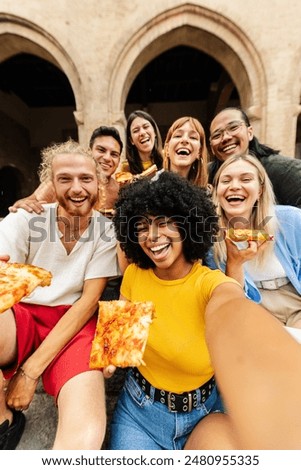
x=106, y=147
x=49, y=333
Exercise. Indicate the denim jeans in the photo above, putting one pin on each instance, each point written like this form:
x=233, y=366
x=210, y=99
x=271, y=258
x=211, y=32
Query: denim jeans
x=140, y=423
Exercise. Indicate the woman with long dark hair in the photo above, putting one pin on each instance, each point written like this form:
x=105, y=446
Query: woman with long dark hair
x=143, y=143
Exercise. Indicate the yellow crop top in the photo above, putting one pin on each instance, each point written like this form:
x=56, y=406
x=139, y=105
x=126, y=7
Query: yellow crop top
x=176, y=354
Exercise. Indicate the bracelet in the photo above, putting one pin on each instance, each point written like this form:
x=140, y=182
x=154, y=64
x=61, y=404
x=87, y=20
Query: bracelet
x=23, y=373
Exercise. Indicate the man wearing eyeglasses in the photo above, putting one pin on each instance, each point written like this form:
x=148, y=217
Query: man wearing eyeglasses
x=232, y=134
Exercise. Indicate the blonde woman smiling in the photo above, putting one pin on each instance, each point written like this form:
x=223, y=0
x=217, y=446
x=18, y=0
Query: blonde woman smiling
x=270, y=270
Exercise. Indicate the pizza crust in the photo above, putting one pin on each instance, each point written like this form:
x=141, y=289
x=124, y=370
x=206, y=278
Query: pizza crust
x=123, y=177
x=240, y=235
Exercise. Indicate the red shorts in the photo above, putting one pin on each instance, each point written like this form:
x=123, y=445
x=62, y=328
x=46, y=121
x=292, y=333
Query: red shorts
x=34, y=322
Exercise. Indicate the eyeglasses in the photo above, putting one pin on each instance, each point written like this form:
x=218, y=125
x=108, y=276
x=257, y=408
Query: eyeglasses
x=232, y=129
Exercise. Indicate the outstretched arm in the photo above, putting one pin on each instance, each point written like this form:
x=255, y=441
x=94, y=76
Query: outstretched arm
x=258, y=370
x=22, y=385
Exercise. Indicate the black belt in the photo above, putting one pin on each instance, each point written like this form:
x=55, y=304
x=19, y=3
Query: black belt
x=183, y=402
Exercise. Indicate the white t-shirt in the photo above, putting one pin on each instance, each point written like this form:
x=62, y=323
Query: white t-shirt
x=271, y=270
x=35, y=239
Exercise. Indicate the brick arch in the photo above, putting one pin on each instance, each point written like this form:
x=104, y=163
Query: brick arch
x=20, y=35
x=197, y=27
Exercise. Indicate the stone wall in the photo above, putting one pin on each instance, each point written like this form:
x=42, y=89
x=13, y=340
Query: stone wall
x=102, y=46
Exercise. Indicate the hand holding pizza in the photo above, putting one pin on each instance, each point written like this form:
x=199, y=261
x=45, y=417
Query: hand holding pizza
x=239, y=255
x=109, y=371
x=125, y=177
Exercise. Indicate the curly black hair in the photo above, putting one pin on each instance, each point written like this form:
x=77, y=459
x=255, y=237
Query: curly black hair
x=171, y=196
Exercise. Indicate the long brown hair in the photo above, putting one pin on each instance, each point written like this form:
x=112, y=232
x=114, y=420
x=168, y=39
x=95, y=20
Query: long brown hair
x=198, y=173
x=132, y=154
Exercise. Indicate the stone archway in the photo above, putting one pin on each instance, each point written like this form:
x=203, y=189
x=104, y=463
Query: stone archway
x=20, y=35
x=17, y=37
x=200, y=28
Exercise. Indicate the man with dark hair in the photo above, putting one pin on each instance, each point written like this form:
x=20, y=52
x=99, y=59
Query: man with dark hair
x=231, y=133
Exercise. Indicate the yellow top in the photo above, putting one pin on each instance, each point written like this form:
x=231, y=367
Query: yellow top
x=176, y=354
x=147, y=164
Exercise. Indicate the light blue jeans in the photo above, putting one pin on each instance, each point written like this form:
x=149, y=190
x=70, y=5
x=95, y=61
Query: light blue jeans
x=140, y=423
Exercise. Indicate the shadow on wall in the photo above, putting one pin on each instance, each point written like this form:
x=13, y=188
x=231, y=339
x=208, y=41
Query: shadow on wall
x=10, y=187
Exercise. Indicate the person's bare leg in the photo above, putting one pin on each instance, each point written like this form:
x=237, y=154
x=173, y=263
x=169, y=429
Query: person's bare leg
x=82, y=413
x=214, y=432
x=258, y=370
x=5, y=412
x=7, y=355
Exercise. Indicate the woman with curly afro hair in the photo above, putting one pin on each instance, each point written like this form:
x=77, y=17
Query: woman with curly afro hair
x=166, y=227
x=190, y=209
x=171, y=401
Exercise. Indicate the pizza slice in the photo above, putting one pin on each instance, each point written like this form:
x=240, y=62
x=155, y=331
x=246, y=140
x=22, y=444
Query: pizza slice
x=107, y=212
x=19, y=280
x=240, y=235
x=123, y=177
x=148, y=173
x=121, y=333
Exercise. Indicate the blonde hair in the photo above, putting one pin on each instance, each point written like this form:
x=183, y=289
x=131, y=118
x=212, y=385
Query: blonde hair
x=70, y=147
x=263, y=214
x=198, y=173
